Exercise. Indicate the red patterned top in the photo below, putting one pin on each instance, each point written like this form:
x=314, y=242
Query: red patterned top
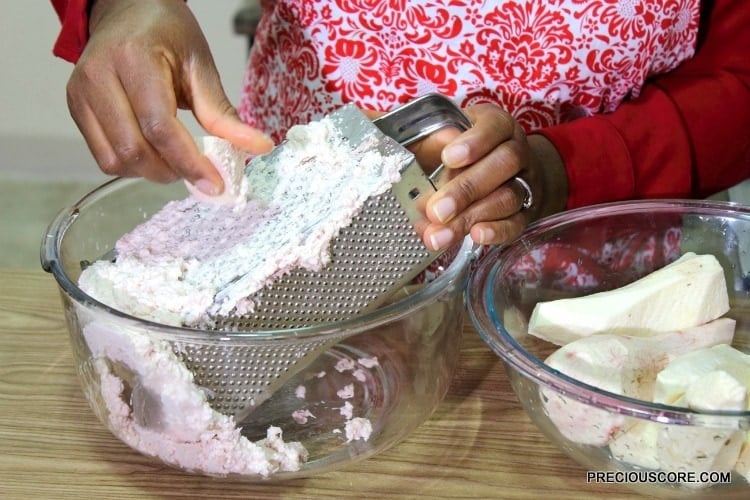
x=669, y=142
x=568, y=69
x=545, y=61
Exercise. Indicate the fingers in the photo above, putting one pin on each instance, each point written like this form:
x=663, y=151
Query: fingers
x=476, y=182
x=486, y=224
x=495, y=148
x=131, y=127
x=154, y=105
x=482, y=199
x=127, y=113
x=216, y=114
x=103, y=113
x=492, y=220
x=429, y=150
x=492, y=127
x=135, y=73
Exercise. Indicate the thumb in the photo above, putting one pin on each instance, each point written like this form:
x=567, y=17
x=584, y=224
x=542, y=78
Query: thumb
x=218, y=117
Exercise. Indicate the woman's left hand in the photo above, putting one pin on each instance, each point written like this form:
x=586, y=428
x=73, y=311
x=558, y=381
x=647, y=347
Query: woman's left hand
x=483, y=197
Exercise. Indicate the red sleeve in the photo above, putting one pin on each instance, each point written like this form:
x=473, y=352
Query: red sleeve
x=74, y=33
x=686, y=136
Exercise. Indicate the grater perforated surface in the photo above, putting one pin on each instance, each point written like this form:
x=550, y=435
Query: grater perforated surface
x=370, y=258
x=241, y=378
x=377, y=254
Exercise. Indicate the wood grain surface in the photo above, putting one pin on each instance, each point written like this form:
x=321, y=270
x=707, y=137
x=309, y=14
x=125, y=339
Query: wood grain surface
x=478, y=444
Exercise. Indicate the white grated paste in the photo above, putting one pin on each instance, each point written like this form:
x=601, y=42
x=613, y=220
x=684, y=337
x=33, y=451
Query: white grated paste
x=170, y=268
x=280, y=215
x=174, y=421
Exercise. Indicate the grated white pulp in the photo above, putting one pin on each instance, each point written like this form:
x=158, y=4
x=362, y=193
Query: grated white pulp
x=279, y=215
x=285, y=215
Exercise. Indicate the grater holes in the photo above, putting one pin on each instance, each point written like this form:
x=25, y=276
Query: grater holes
x=350, y=283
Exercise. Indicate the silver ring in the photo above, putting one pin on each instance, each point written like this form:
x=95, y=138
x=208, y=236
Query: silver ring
x=528, y=197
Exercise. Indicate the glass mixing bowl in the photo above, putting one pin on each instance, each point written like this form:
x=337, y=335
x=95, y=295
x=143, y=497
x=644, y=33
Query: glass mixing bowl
x=394, y=365
x=595, y=249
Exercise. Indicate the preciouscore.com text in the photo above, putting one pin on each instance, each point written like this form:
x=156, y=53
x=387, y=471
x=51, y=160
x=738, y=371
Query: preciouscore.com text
x=655, y=476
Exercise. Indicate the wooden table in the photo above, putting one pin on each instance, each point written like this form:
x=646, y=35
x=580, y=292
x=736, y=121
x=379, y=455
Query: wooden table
x=478, y=444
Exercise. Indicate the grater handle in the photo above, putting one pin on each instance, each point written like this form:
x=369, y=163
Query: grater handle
x=421, y=117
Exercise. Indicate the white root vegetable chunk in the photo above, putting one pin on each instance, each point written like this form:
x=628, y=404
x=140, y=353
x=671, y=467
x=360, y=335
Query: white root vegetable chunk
x=704, y=449
x=678, y=447
x=637, y=445
x=673, y=381
x=743, y=462
x=686, y=448
x=230, y=163
x=690, y=291
x=717, y=378
x=621, y=365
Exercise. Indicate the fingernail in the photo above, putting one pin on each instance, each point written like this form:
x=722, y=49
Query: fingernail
x=455, y=154
x=444, y=209
x=207, y=187
x=441, y=238
x=269, y=142
x=262, y=140
x=486, y=236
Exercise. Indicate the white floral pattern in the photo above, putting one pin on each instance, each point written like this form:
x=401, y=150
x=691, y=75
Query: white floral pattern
x=576, y=265
x=545, y=61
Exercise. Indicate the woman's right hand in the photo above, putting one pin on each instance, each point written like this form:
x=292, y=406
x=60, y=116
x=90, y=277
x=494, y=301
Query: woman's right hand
x=144, y=60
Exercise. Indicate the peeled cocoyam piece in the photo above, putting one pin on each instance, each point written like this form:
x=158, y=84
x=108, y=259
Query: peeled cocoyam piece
x=716, y=391
x=690, y=291
x=230, y=163
x=683, y=371
x=622, y=365
x=637, y=445
x=743, y=462
x=677, y=447
x=704, y=449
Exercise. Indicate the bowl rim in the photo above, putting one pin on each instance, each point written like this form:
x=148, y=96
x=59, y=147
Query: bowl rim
x=529, y=366
x=467, y=252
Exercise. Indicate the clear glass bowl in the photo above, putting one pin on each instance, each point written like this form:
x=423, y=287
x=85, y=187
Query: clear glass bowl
x=610, y=245
x=415, y=340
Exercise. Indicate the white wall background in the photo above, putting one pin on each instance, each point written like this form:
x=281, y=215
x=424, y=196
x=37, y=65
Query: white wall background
x=37, y=136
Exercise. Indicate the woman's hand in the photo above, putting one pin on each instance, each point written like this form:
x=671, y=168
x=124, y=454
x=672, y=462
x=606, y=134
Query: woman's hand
x=482, y=198
x=143, y=61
